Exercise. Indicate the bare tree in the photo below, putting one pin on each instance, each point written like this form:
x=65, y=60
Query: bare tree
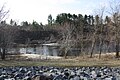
x=101, y=34
x=94, y=37
x=115, y=12
x=7, y=33
x=67, y=41
x=7, y=36
x=117, y=30
x=98, y=34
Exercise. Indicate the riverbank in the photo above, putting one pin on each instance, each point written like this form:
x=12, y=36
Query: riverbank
x=72, y=68
x=62, y=63
x=37, y=60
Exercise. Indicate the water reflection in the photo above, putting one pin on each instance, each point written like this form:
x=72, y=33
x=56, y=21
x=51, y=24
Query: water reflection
x=46, y=50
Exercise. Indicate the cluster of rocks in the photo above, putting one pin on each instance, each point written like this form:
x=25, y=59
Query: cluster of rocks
x=55, y=73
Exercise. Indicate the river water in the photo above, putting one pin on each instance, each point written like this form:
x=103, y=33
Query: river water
x=42, y=50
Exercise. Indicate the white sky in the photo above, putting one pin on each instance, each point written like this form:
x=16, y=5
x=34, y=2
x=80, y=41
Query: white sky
x=38, y=10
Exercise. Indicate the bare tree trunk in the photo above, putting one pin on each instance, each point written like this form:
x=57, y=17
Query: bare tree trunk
x=81, y=50
x=93, y=45
x=101, y=40
x=3, y=54
x=117, y=48
x=108, y=46
x=65, y=54
x=101, y=44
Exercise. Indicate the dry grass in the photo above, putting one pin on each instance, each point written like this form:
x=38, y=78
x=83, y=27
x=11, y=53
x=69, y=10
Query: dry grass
x=106, y=60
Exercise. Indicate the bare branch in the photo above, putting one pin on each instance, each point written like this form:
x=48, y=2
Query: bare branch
x=3, y=13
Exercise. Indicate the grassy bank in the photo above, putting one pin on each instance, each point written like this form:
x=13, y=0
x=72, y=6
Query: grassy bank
x=106, y=60
x=62, y=63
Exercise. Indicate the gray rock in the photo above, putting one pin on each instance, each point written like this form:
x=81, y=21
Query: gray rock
x=77, y=78
x=27, y=78
x=59, y=77
x=93, y=74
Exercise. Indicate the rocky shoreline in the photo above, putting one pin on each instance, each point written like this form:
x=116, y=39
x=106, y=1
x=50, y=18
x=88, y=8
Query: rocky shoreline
x=55, y=73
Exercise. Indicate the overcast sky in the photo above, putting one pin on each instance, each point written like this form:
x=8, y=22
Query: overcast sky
x=38, y=10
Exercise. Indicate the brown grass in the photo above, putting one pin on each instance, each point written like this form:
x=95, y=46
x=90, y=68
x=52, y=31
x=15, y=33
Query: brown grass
x=105, y=60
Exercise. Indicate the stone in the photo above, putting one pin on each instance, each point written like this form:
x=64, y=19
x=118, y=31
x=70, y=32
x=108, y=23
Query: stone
x=108, y=78
x=59, y=77
x=54, y=73
x=1, y=77
x=28, y=73
x=76, y=78
x=23, y=70
x=27, y=78
x=93, y=74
